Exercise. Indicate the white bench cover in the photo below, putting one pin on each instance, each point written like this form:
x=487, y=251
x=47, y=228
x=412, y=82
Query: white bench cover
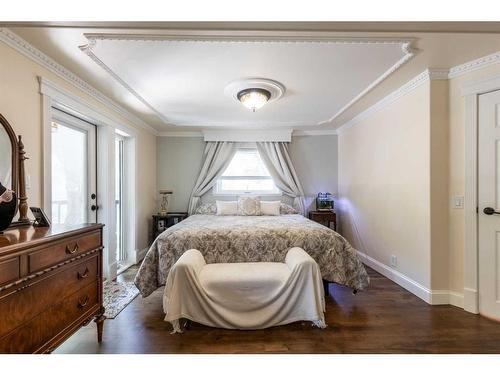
x=244, y=295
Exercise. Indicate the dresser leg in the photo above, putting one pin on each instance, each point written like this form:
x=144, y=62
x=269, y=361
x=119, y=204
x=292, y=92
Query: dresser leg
x=99, y=320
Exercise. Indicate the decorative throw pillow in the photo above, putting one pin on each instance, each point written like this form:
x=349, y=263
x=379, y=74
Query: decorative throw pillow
x=249, y=206
x=286, y=209
x=206, y=209
x=270, y=208
x=227, y=207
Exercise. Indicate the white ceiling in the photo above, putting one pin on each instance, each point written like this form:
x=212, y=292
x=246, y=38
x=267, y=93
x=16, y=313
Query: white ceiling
x=183, y=81
x=168, y=101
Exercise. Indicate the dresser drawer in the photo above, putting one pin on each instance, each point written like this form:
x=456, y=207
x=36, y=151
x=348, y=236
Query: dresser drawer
x=9, y=270
x=23, y=305
x=41, y=259
x=36, y=333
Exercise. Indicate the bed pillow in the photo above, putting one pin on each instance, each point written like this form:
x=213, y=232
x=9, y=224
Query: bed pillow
x=248, y=206
x=206, y=209
x=286, y=209
x=227, y=207
x=270, y=208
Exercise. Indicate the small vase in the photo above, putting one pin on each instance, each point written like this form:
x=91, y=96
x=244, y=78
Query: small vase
x=8, y=207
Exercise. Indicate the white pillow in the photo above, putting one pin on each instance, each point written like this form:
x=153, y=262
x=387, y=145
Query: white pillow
x=227, y=207
x=270, y=208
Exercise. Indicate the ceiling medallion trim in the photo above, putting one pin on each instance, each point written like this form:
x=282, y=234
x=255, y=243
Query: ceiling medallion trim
x=93, y=38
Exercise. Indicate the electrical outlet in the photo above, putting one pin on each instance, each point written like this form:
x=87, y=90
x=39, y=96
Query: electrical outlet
x=458, y=201
x=394, y=261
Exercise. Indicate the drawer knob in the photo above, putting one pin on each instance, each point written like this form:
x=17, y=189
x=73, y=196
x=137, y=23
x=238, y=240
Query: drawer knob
x=83, y=275
x=83, y=302
x=75, y=249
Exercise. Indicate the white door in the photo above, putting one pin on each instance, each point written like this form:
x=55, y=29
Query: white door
x=73, y=170
x=489, y=204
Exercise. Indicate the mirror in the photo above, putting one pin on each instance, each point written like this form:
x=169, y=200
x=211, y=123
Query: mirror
x=9, y=172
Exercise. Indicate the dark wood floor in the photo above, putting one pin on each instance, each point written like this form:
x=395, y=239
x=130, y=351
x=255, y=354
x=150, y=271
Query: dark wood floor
x=383, y=319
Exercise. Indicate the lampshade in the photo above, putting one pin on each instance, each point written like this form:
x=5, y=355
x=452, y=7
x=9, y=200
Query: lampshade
x=254, y=98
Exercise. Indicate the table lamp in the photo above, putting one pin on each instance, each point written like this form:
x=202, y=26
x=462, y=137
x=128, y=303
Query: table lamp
x=164, y=201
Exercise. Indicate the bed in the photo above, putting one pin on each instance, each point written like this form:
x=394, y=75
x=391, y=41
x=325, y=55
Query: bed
x=232, y=239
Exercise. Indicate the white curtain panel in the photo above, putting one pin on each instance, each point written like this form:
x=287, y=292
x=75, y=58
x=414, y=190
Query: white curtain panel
x=277, y=159
x=217, y=157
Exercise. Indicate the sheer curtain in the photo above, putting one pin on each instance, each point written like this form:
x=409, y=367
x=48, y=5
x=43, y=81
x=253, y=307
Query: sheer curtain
x=277, y=159
x=217, y=157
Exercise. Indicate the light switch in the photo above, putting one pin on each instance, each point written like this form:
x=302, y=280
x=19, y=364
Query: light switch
x=458, y=201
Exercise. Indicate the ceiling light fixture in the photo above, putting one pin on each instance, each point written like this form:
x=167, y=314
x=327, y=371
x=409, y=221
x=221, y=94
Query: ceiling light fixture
x=254, y=93
x=254, y=98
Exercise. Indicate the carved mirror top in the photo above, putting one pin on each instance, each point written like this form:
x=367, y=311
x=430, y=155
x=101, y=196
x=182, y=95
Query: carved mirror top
x=9, y=166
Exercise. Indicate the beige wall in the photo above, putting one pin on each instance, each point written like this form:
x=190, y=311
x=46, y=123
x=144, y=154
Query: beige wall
x=440, y=107
x=20, y=103
x=439, y=204
x=384, y=184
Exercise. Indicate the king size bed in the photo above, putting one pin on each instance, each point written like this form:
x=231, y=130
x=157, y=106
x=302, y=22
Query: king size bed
x=232, y=239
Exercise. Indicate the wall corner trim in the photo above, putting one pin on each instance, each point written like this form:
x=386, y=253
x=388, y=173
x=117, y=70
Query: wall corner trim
x=22, y=46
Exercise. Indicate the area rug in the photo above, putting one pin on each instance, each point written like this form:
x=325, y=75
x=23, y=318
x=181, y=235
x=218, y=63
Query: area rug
x=116, y=296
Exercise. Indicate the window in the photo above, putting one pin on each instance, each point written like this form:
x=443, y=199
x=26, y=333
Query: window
x=246, y=174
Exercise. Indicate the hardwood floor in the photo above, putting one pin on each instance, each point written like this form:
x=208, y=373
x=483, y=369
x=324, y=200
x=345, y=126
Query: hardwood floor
x=383, y=319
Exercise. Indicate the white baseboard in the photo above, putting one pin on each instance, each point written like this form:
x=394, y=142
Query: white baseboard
x=140, y=254
x=432, y=297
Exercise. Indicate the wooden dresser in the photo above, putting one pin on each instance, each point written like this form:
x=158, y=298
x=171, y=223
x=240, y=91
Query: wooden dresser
x=50, y=285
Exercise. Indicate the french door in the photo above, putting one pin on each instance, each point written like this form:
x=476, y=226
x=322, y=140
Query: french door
x=73, y=167
x=121, y=253
x=489, y=204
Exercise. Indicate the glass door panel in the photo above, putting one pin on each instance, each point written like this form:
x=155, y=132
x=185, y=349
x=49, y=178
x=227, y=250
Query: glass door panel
x=73, y=172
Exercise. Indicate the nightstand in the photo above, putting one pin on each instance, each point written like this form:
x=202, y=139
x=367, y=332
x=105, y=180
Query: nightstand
x=162, y=222
x=327, y=218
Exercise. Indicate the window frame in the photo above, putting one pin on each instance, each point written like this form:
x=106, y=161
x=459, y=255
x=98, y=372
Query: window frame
x=217, y=190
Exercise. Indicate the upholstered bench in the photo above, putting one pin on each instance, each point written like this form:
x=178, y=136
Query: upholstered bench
x=244, y=295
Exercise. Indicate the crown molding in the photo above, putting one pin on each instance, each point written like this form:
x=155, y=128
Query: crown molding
x=306, y=133
x=22, y=46
x=425, y=76
x=232, y=36
x=174, y=134
x=473, y=65
x=269, y=37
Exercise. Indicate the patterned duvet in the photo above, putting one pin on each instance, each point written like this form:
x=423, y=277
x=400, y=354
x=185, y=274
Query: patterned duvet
x=231, y=239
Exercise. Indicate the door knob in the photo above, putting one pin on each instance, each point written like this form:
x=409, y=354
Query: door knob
x=93, y=207
x=490, y=211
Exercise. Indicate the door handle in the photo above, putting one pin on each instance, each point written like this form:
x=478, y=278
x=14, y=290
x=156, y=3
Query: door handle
x=490, y=211
x=94, y=207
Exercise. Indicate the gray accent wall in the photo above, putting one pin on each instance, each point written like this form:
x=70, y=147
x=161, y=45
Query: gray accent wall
x=179, y=162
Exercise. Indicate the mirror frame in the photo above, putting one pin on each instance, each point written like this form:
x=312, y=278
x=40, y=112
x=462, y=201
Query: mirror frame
x=15, y=155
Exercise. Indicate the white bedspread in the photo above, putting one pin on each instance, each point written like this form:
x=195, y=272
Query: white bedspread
x=244, y=295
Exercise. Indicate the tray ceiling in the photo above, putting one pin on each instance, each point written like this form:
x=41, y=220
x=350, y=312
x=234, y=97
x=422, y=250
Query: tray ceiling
x=182, y=81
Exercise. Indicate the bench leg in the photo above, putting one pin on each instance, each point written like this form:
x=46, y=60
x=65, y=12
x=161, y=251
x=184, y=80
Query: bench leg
x=326, y=287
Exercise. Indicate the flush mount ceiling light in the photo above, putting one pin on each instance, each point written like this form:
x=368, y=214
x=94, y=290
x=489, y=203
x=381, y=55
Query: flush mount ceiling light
x=254, y=93
x=254, y=98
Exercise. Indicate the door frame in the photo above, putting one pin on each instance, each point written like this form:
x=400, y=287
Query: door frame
x=54, y=96
x=471, y=92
